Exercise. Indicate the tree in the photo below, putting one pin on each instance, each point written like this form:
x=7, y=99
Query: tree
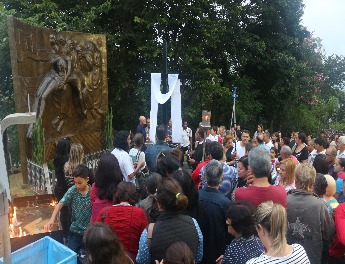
x=259, y=46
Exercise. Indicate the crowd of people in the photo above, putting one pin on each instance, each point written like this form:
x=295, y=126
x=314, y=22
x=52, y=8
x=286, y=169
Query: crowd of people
x=225, y=198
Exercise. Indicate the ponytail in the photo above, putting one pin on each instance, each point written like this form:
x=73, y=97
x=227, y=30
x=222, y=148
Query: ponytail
x=170, y=197
x=273, y=218
x=181, y=201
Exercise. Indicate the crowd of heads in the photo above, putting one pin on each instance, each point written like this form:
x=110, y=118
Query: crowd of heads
x=175, y=191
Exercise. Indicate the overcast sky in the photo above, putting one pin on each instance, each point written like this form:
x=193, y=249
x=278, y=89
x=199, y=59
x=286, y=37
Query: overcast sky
x=326, y=18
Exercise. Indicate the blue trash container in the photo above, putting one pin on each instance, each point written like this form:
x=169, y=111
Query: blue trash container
x=44, y=251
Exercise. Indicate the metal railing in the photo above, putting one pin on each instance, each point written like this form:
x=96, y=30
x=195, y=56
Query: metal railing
x=91, y=160
x=38, y=179
x=43, y=180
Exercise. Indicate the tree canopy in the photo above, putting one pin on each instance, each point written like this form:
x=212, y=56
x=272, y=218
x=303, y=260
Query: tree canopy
x=284, y=80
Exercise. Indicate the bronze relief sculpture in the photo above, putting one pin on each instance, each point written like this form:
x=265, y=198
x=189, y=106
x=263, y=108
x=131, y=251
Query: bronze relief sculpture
x=65, y=76
x=75, y=66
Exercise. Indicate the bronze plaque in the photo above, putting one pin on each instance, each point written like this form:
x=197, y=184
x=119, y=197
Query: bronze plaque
x=65, y=76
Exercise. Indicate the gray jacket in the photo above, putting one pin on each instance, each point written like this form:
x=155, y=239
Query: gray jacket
x=309, y=223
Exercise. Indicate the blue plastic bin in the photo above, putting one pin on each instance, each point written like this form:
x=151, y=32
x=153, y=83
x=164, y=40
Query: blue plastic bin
x=44, y=251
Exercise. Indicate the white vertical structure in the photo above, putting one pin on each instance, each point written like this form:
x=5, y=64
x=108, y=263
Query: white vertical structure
x=158, y=98
x=5, y=195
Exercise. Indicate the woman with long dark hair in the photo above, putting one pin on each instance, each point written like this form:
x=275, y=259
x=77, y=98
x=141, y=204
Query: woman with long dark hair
x=108, y=176
x=61, y=157
x=121, y=143
x=276, y=141
x=260, y=129
x=301, y=150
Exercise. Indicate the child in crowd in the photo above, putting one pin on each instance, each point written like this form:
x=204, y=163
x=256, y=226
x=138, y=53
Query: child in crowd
x=332, y=203
x=149, y=204
x=77, y=198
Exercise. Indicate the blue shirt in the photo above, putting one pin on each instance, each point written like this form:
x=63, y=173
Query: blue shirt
x=241, y=250
x=141, y=129
x=152, y=152
x=144, y=257
x=339, y=186
x=229, y=182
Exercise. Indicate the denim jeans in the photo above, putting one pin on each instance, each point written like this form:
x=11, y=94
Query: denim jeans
x=75, y=242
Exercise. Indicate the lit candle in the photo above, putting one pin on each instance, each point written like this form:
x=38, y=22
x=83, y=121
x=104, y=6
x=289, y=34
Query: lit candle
x=14, y=218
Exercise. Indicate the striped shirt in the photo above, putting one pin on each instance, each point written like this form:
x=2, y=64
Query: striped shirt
x=298, y=255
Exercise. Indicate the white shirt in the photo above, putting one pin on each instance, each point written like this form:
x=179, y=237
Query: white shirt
x=241, y=151
x=186, y=135
x=212, y=138
x=125, y=162
x=268, y=146
x=313, y=154
x=133, y=153
x=297, y=255
x=340, y=155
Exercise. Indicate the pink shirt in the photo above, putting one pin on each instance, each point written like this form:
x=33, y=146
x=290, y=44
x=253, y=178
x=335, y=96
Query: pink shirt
x=294, y=159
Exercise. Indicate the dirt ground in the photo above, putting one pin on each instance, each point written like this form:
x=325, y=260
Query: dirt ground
x=18, y=189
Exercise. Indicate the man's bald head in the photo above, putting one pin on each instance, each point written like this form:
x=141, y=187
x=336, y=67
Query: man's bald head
x=142, y=120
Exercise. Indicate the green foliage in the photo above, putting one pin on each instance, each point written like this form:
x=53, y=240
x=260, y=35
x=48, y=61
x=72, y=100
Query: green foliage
x=6, y=83
x=284, y=81
x=108, y=130
x=37, y=141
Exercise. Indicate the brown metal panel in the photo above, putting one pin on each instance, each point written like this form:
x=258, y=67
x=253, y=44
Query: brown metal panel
x=65, y=74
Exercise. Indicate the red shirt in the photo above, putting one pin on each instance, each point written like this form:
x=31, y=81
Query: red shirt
x=97, y=204
x=196, y=173
x=94, y=193
x=257, y=195
x=337, y=248
x=128, y=222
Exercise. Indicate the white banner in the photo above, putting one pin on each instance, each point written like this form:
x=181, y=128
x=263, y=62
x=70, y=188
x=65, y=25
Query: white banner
x=158, y=98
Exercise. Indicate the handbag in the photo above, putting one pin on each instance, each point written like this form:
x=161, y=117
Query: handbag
x=140, y=176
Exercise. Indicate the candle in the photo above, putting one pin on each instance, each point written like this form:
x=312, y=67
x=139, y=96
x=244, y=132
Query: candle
x=29, y=102
x=14, y=218
x=20, y=232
